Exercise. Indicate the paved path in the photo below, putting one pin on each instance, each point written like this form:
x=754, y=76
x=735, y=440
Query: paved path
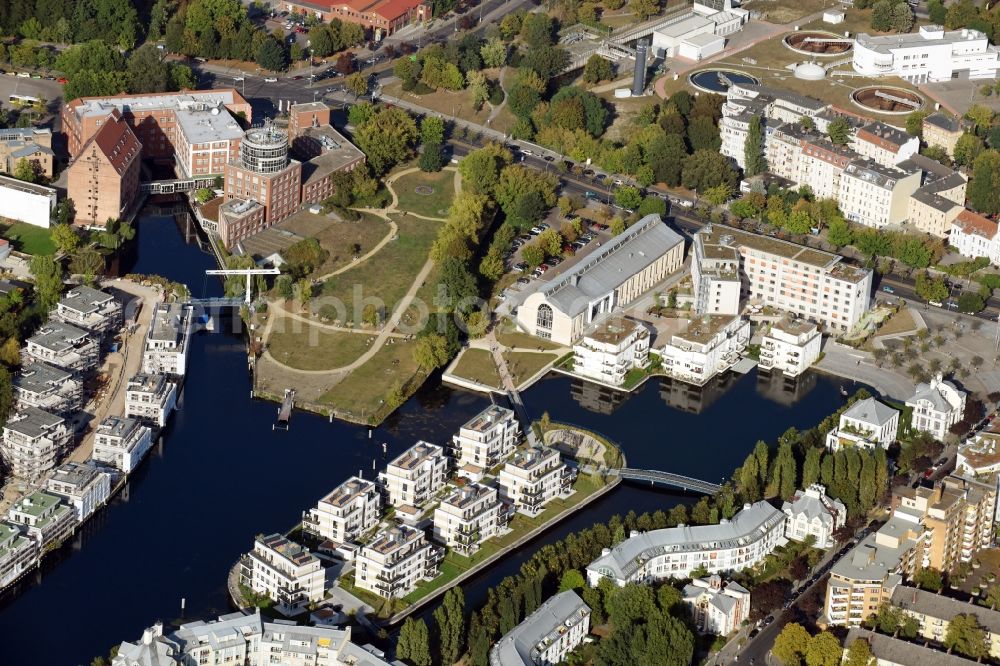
x=285, y=312
x=858, y=365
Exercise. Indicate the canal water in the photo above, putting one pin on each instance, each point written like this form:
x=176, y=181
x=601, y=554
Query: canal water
x=220, y=475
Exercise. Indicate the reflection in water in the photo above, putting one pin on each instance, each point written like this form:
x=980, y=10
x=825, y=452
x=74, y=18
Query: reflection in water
x=782, y=389
x=596, y=397
x=696, y=399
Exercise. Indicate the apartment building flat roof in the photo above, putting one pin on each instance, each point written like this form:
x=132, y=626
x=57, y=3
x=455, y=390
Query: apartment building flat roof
x=40, y=378
x=928, y=35
x=337, y=153
x=37, y=503
x=203, y=126
x=415, y=455
x=32, y=422
x=530, y=458
x=169, y=322
x=9, y=534
x=702, y=329
x=188, y=99
x=293, y=552
x=615, y=330
x=794, y=326
x=343, y=494
x=85, y=300
x=983, y=450
x=468, y=495
x=523, y=643
x=118, y=426
x=58, y=337
x=942, y=607
x=488, y=418
x=395, y=538
x=745, y=528
x=78, y=475
x=30, y=188
x=147, y=383
x=872, y=560
x=887, y=649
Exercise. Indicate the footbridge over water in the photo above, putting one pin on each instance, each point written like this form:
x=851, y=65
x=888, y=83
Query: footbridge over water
x=668, y=479
x=177, y=185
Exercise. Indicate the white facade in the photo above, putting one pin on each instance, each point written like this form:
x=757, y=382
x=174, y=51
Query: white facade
x=91, y=309
x=809, y=283
x=18, y=553
x=884, y=144
x=867, y=423
x=790, y=346
x=974, y=236
x=534, y=477
x=84, y=486
x=715, y=278
x=936, y=407
x=930, y=55
x=717, y=609
x=732, y=545
x=416, y=475
x=547, y=636
x=284, y=571
x=350, y=510
x=168, y=339
x=150, y=398
x=122, y=442
x=45, y=517
x=811, y=513
x=709, y=346
x=874, y=195
x=398, y=559
x=33, y=443
x=27, y=202
x=488, y=438
x=467, y=518
x=609, y=352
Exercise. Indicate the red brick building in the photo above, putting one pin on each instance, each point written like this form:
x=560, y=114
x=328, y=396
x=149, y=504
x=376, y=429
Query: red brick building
x=382, y=17
x=103, y=180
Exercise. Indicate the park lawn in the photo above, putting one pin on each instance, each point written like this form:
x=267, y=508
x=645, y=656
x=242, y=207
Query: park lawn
x=477, y=365
x=509, y=338
x=338, y=237
x=30, y=239
x=524, y=365
x=364, y=390
x=447, y=103
x=385, y=277
x=308, y=347
x=430, y=205
x=901, y=322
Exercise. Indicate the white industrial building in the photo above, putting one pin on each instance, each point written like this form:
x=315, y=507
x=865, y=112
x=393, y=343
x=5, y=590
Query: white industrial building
x=710, y=345
x=699, y=33
x=811, y=513
x=122, y=442
x=546, y=636
x=790, y=346
x=26, y=202
x=867, y=423
x=611, y=350
x=929, y=55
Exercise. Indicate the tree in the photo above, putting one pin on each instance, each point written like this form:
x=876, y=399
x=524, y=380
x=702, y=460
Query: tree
x=705, y=169
x=643, y=9
x=65, y=238
x=981, y=117
x=48, y=279
x=792, y=644
x=572, y=579
x=271, y=55
x=824, y=650
x=839, y=129
x=387, y=138
x=753, y=149
x=966, y=637
x=967, y=148
x=810, y=468
x=859, y=654
x=450, y=620
x=703, y=134
x=984, y=190
x=432, y=130
x=597, y=69
x=413, y=643
x=665, y=154
x=357, y=83
x=902, y=17
x=719, y=194
x=628, y=197
x=481, y=168
x=931, y=289
x=321, y=41
x=915, y=123
x=25, y=170
x=839, y=232
x=929, y=579
x=493, y=52
x=882, y=16
x=971, y=302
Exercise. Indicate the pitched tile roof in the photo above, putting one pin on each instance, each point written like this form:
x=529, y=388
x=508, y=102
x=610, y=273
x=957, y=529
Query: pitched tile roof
x=116, y=141
x=973, y=223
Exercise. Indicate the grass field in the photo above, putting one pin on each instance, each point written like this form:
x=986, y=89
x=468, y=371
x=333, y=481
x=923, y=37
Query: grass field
x=29, y=239
x=386, y=276
x=510, y=338
x=307, y=347
x=338, y=237
x=477, y=365
x=524, y=365
x=431, y=205
x=786, y=11
x=362, y=391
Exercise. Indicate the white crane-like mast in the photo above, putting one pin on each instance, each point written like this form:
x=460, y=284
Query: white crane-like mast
x=249, y=272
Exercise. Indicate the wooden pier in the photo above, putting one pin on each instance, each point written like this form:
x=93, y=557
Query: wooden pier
x=285, y=411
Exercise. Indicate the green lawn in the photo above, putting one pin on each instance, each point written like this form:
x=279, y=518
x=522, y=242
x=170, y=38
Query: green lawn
x=363, y=392
x=524, y=365
x=513, y=338
x=477, y=365
x=431, y=205
x=307, y=347
x=29, y=239
x=338, y=237
x=385, y=277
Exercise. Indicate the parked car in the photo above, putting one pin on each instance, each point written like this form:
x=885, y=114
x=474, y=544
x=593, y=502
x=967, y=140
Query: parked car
x=63, y=80
x=296, y=78
x=536, y=230
x=523, y=280
x=537, y=272
x=591, y=195
x=270, y=79
x=553, y=262
x=520, y=266
x=588, y=173
x=23, y=75
x=889, y=290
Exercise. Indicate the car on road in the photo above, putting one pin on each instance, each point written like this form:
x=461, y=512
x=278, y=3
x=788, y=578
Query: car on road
x=590, y=195
x=936, y=304
x=523, y=280
x=23, y=75
x=297, y=77
x=889, y=290
x=270, y=79
x=549, y=158
x=237, y=79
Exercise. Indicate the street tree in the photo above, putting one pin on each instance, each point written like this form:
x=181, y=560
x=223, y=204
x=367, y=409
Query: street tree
x=984, y=190
x=387, y=138
x=792, y=644
x=824, y=650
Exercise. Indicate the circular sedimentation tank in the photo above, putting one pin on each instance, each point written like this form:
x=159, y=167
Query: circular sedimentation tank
x=717, y=80
x=796, y=41
x=892, y=100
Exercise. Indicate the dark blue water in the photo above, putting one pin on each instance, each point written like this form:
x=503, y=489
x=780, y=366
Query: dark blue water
x=220, y=475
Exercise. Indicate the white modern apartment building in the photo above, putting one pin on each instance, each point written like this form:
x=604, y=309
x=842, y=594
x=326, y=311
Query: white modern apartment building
x=91, y=309
x=487, y=438
x=809, y=283
x=168, y=339
x=876, y=195
x=122, y=442
x=929, y=55
x=885, y=144
x=398, y=559
x=610, y=351
x=47, y=387
x=18, y=553
x=710, y=345
x=62, y=345
x=150, y=398
x=607, y=279
x=973, y=235
x=534, y=477
x=245, y=639
x=674, y=552
x=283, y=571
x=715, y=276
x=937, y=406
x=790, y=346
x=416, y=475
x=716, y=608
x=811, y=512
x=84, y=486
x=867, y=423
x=546, y=636
x=33, y=442
x=468, y=517
x=350, y=510
x=45, y=517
